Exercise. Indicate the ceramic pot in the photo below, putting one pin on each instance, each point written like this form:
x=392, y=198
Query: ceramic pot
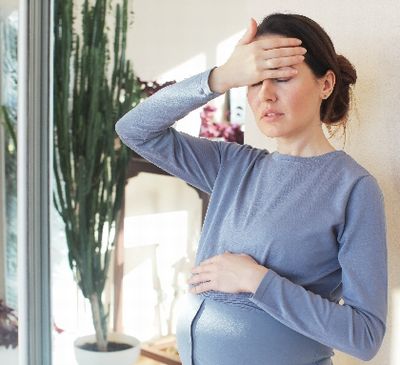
x=123, y=357
x=8, y=356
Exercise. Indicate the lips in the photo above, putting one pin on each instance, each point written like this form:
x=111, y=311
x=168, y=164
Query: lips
x=271, y=113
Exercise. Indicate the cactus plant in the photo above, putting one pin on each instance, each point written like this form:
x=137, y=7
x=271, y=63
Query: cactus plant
x=89, y=163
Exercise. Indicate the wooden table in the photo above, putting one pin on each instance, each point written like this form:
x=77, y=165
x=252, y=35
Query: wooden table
x=146, y=361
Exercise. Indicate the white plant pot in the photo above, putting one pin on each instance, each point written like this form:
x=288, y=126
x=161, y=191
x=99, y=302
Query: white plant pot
x=123, y=357
x=8, y=356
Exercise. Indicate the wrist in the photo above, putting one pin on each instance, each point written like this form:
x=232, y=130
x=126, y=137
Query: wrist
x=258, y=275
x=217, y=82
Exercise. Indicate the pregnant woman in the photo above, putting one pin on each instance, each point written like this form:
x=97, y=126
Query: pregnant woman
x=287, y=234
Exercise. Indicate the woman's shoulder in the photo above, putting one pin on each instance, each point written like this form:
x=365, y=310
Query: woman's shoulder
x=354, y=168
x=358, y=176
x=240, y=152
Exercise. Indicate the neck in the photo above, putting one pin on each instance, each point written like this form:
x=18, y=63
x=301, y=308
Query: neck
x=309, y=143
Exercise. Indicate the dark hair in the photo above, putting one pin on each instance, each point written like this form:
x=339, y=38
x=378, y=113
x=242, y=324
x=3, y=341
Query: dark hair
x=320, y=57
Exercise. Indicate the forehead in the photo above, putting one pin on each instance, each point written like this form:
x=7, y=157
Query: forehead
x=271, y=36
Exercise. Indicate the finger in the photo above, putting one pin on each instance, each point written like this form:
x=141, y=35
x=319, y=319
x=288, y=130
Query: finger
x=283, y=61
x=281, y=42
x=201, y=287
x=284, y=52
x=250, y=33
x=201, y=278
x=279, y=73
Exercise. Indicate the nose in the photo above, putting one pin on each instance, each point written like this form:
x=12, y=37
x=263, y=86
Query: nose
x=267, y=91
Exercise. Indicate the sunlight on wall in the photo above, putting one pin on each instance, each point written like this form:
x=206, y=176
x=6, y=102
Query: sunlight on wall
x=395, y=346
x=191, y=123
x=153, y=272
x=184, y=69
x=237, y=95
x=169, y=227
x=225, y=48
x=140, y=316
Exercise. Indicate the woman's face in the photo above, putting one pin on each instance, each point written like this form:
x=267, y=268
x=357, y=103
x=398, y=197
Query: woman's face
x=293, y=103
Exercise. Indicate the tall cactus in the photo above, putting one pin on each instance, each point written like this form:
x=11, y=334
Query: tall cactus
x=89, y=162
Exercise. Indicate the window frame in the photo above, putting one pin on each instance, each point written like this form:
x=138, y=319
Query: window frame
x=34, y=161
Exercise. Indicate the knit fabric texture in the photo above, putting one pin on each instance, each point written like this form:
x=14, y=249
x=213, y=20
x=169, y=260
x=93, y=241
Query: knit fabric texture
x=317, y=223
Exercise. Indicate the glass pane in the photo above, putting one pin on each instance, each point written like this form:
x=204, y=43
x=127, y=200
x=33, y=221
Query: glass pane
x=8, y=184
x=103, y=213
x=94, y=85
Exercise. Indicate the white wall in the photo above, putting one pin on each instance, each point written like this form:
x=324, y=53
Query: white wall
x=7, y=6
x=174, y=39
x=164, y=211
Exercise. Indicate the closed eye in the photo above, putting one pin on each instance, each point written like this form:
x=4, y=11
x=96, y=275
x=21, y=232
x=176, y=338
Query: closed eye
x=277, y=80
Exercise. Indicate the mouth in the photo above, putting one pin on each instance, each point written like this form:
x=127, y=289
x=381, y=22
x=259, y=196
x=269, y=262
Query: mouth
x=271, y=116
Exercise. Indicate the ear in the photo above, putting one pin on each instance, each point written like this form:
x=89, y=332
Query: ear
x=327, y=83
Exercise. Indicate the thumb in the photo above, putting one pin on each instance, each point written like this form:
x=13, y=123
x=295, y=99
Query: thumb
x=250, y=33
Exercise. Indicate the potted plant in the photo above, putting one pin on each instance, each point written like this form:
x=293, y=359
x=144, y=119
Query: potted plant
x=8, y=335
x=90, y=163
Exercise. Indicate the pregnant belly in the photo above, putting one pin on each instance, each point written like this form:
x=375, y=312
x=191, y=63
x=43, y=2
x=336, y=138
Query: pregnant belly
x=212, y=332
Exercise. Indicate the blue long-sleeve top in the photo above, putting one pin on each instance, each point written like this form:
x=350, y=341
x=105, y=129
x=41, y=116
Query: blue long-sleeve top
x=317, y=223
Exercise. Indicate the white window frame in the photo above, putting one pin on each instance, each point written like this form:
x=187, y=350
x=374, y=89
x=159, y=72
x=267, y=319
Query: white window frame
x=35, y=36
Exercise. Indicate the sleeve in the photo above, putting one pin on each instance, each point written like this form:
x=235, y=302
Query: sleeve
x=358, y=326
x=147, y=129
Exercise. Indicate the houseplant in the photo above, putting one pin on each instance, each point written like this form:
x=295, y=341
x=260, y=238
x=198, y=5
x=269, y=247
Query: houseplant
x=90, y=163
x=8, y=334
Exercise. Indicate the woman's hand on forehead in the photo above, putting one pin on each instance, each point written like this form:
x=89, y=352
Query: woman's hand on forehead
x=268, y=42
x=257, y=59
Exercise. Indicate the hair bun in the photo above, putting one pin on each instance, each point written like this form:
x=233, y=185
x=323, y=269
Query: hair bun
x=347, y=70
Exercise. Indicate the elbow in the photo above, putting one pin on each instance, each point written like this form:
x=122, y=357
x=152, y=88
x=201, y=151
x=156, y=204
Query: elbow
x=367, y=354
x=121, y=130
x=118, y=127
x=130, y=133
x=371, y=343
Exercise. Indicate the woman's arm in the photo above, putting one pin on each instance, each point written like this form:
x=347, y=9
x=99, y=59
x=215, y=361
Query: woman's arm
x=358, y=326
x=147, y=129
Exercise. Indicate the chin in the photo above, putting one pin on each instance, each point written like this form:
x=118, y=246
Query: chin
x=272, y=133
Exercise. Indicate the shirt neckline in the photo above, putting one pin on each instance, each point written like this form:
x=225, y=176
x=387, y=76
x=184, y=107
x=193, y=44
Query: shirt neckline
x=281, y=156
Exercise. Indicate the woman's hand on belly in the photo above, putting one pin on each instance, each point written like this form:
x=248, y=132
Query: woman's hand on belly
x=229, y=273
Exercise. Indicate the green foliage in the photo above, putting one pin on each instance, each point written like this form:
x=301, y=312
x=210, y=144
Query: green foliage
x=89, y=162
x=8, y=122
